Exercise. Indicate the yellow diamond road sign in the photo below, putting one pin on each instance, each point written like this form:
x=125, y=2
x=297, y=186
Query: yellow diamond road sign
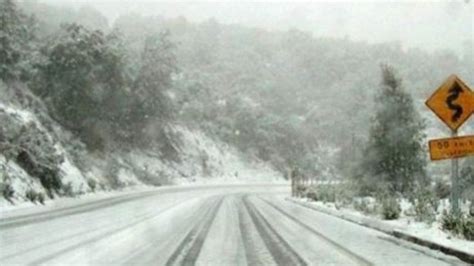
x=453, y=102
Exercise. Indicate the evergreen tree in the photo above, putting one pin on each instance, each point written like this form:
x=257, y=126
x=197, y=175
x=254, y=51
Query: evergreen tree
x=395, y=156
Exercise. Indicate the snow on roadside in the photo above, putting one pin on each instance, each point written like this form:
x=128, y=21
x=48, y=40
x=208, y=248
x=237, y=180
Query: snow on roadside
x=405, y=224
x=433, y=233
x=26, y=208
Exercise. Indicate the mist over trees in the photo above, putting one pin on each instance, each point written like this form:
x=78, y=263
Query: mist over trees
x=394, y=158
x=288, y=98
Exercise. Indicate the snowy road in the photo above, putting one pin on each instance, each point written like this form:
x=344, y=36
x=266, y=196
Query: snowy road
x=213, y=225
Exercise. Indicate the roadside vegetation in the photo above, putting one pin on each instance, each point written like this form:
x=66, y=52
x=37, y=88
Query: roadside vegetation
x=392, y=171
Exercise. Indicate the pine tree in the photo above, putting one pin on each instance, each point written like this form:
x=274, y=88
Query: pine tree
x=395, y=157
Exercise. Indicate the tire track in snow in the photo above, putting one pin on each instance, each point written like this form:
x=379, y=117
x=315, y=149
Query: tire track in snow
x=103, y=235
x=224, y=238
x=151, y=252
x=6, y=223
x=188, y=250
x=356, y=258
x=26, y=219
x=52, y=242
x=255, y=250
x=248, y=244
x=281, y=251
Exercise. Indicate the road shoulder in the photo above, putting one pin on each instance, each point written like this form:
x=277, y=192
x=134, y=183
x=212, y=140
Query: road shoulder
x=464, y=253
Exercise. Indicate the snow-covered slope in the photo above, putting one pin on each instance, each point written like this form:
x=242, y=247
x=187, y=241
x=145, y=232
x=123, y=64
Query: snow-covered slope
x=202, y=159
x=205, y=159
x=23, y=132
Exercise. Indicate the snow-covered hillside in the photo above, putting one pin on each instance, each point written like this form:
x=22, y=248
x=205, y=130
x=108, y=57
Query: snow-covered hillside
x=202, y=159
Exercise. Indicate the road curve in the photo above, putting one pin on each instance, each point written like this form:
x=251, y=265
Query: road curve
x=206, y=225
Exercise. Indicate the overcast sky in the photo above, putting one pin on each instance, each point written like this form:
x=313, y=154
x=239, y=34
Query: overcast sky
x=430, y=25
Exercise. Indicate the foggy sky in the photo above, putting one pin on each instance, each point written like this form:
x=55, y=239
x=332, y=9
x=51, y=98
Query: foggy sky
x=430, y=25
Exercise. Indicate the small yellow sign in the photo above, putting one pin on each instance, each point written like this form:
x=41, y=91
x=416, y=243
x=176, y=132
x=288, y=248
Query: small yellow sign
x=452, y=102
x=451, y=148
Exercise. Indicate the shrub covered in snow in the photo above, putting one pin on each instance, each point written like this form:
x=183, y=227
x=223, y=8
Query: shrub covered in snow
x=442, y=189
x=35, y=196
x=320, y=192
x=312, y=195
x=458, y=224
x=31, y=195
x=365, y=205
x=92, y=184
x=391, y=208
x=301, y=190
x=26, y=142
x=468, y=228
x=425, y=205
x=466, y=179
x=68, y=190
x=7, y=191
x=111, y=173
x=40, y=197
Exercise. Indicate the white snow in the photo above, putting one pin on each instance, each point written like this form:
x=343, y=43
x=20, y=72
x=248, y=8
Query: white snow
x=224, y=163
x=19, y=180
x=21, y=115
x=72, y=175
x=203, y=160
x=431, y=232
x=149, y=230
x=25, y=208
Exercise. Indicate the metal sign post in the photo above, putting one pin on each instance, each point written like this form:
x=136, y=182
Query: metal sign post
x=455, y=182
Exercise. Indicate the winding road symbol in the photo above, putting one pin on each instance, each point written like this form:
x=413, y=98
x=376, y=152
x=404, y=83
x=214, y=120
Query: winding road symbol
x=454, y=93
x=452, y=102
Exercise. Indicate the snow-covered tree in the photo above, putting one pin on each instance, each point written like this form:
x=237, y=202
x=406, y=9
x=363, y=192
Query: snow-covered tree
x=149, y=103
x=80, y=79
x=395, y=156
x=11, y=31
x=18, y=42
x=158, y=63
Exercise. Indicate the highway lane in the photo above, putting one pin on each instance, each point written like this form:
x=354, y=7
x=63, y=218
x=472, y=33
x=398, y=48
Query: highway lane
x=206, y=225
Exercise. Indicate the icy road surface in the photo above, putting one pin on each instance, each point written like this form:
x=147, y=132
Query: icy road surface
x=207, y=225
